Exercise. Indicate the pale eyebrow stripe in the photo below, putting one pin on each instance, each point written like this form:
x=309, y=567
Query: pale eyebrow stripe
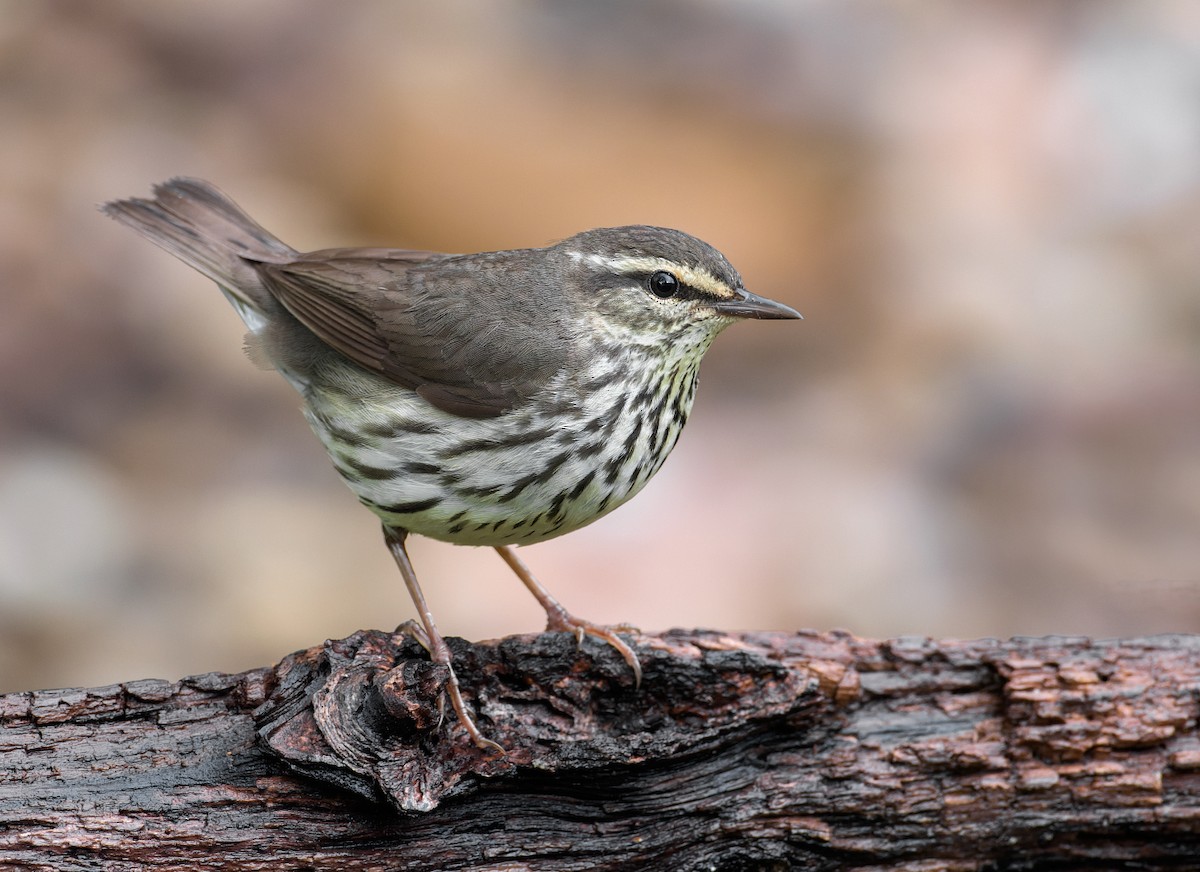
x=696, y=277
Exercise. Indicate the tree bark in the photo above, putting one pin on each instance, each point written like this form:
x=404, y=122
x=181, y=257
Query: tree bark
x=738, y=752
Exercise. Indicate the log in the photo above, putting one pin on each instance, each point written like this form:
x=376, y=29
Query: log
x=738, y=752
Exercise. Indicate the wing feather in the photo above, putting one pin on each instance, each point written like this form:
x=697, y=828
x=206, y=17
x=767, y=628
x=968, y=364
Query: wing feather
x=465, y=335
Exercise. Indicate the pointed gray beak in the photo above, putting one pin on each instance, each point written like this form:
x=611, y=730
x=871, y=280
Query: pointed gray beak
x=748, y=305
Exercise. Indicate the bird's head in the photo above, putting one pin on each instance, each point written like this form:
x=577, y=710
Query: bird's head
x=648, y=285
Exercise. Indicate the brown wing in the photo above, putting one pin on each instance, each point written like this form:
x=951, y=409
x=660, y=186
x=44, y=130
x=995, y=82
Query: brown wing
x=469, y=334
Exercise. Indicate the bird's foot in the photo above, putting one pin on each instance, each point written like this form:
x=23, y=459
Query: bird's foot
x=415, y=632
x=559, y=619
x=439, y=653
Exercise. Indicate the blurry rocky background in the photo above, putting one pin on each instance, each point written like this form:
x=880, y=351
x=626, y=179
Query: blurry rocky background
x=989, y=213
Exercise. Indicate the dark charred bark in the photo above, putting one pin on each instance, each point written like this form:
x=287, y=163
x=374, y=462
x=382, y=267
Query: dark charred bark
x=758, y=751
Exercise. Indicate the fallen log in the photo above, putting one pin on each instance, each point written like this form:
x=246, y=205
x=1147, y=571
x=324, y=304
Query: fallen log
x=738, y=751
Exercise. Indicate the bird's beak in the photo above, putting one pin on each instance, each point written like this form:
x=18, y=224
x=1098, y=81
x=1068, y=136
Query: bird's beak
x=747, y=305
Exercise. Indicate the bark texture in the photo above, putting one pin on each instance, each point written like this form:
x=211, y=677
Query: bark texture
x=738, y=752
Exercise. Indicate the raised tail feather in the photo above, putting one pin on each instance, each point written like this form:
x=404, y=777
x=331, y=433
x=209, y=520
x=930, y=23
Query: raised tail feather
x=206, y=230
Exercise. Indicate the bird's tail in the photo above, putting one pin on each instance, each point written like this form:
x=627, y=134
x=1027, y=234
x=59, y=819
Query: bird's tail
x=206, y=230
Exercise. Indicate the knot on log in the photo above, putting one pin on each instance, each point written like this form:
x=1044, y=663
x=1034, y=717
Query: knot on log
x=365, y=713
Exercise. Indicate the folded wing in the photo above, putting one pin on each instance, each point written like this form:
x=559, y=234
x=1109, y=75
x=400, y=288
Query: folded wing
x=466, y=336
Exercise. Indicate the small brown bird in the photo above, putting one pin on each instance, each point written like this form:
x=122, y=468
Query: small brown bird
x=500, y=398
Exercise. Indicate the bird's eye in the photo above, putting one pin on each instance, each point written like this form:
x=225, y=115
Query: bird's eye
x=664, y=285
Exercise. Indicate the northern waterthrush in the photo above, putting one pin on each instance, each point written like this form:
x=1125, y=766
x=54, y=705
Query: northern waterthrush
x=500, y=398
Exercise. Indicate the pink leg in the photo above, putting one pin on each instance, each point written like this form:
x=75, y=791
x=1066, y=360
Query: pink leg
x=558, y=618
x=433, y=641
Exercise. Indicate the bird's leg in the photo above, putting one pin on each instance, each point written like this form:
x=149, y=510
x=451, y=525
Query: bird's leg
x=415, y=631
x=558, y=618
x=439, y=652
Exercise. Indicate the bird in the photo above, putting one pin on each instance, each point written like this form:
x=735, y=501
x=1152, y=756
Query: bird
x=495, y=399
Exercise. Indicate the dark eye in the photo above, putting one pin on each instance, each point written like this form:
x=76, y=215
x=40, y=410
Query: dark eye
x=664, y=285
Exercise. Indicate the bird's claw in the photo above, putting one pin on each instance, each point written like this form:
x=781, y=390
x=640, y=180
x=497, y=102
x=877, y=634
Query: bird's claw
x=413, y=630
x=563, y=621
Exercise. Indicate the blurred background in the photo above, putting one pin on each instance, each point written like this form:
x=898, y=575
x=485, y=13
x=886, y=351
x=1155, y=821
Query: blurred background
x=989, y=213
